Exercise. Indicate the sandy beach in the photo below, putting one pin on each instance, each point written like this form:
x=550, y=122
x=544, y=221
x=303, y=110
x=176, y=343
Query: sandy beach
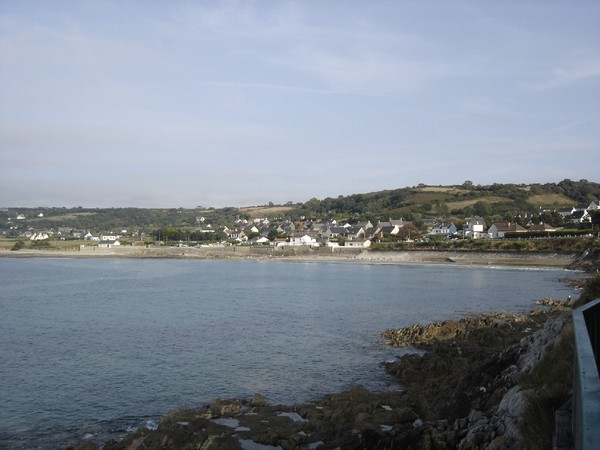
x=540, y=259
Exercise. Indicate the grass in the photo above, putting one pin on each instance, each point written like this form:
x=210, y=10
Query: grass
x=264, y=211
x=550, y=200
x=64, y=217
x=7, y=244
x=464, y=203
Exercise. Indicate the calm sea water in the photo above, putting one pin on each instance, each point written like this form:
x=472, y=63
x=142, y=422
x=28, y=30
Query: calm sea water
x=91, y=348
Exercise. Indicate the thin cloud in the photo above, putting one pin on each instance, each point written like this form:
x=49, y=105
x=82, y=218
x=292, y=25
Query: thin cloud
x=566, y=75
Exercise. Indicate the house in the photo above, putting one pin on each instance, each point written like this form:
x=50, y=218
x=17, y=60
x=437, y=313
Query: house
x=41, y=236
x=302, y=239
x=237, y=235
x=474, y=229
x=334, y=232
x=579, y=216
x=260, y=241
x=109, y=237
x=541, y=227
x=361, y=243
x=366, y=225
x=105, y=243
x=207, y=229
x=593, y=206
x=391, y=222
x=499, y=230
x=443, y=229
x=565, y=213
x=355, y=233
x=391, y=230
x=279, y=242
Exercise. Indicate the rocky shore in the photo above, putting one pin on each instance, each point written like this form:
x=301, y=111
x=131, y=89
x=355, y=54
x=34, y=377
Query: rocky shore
x=470, y=384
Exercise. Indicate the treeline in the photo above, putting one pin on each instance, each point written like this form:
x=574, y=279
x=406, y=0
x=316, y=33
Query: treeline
x=104, y=219
x=421, y=202
x=496, y=202
x=172, y=234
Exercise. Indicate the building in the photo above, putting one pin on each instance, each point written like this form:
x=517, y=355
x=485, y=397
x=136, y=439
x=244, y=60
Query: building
x=474, y=229
x=499, y=230
x=445, y=229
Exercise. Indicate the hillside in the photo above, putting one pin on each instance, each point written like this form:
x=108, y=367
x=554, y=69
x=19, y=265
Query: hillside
x=421, y=202
x=417, y=203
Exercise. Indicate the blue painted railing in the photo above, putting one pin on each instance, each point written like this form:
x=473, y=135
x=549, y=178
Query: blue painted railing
x=586, y=381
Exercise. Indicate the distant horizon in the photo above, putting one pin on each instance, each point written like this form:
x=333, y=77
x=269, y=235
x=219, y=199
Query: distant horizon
x=245, y=102
x=266, y=204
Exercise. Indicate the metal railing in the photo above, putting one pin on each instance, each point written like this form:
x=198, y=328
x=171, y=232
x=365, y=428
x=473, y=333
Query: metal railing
x=586, y=381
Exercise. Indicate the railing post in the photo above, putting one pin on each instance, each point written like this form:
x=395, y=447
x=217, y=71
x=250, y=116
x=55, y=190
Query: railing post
x=586, y=381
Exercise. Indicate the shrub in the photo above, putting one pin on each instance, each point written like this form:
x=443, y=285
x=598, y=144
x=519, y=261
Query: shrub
x=40, y=244
x=18, y=246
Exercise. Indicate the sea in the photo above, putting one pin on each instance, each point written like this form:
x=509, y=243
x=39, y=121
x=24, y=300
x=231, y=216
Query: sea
x=95, y=348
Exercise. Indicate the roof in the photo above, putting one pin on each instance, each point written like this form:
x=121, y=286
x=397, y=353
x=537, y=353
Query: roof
x=508, y=226
x=541, y=227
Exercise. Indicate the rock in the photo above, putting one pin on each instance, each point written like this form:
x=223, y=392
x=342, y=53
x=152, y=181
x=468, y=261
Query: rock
x=87, y=445
x=258, y=400
x=219, y=408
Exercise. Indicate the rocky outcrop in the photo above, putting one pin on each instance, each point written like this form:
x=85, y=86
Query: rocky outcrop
x=468, y=384
x=463, y=390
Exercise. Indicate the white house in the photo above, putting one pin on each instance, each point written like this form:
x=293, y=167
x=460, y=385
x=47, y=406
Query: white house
x=443, y=229
x=237, y=234
x=108, y=243
x=109, y=237
x=580, y=216
x=302, y=239
x=474, y=229
x=39, y=236
x=362, y=243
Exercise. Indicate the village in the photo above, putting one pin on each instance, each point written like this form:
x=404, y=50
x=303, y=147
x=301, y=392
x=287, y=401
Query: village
x=278, y=232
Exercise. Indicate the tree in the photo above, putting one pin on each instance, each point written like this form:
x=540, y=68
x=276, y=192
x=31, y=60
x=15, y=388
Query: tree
x=409, y=231
x=273, y=234
x=482, y=208
x=595, y=217
x=442, y=209
x=18, y=246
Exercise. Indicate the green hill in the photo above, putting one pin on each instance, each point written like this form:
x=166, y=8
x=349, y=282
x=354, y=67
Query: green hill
x=418, y=203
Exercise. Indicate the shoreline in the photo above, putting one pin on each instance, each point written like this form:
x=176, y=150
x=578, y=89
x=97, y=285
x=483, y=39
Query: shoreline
x=467, y=388
x=467, y=257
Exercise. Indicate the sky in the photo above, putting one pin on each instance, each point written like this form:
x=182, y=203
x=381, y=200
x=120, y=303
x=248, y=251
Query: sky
x=240, y=103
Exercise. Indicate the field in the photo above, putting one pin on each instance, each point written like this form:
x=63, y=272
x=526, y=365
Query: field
x=265, y=211
x=470, y=202
x=550, y=200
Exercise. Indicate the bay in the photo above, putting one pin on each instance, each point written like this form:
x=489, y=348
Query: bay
x=91, y=348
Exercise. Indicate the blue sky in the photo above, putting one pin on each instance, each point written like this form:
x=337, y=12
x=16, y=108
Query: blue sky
x=238, y=103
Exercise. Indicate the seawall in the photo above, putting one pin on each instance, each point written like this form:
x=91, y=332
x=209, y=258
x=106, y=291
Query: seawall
x=542, y=259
